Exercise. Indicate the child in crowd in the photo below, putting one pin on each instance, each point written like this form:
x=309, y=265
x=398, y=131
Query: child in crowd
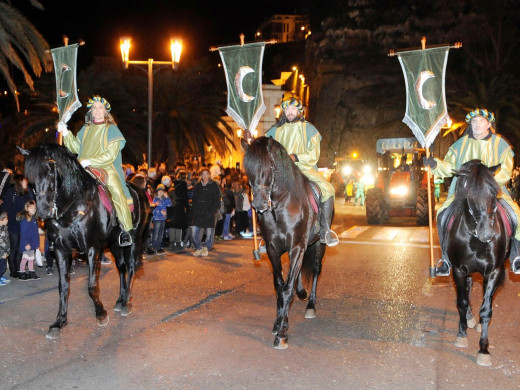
x=29, y=240
x=4, y=248
x=161, y=202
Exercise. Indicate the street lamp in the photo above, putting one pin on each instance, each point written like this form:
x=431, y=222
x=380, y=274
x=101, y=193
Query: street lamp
x=176, y=49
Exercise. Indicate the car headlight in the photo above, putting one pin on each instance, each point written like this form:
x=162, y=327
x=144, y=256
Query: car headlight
x=399, y=191
x=367, y=169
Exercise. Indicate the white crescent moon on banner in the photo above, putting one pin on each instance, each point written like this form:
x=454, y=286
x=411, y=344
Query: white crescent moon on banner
x=426, y=104
x=64, y=68
x=239, y=79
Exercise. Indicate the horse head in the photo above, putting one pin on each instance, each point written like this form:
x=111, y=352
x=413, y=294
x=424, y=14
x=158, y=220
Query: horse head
x=56, y=175
x=478, y=190
x=260, y=168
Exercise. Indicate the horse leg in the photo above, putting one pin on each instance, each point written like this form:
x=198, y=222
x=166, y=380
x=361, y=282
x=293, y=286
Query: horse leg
x=126, y=273
x=285, y=297
x=461, y=282
x=319, y=251
x=486, y=311
x=276, y=264
x=94, y=266
x=301, y=292
x=472, y=322
x=63, y=260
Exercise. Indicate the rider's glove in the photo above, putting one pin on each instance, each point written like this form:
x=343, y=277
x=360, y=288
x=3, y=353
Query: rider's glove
x=62, y=128
x=85, y=163
x=429, y=162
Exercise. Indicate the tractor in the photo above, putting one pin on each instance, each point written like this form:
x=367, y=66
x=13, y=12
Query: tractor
x=400, y=188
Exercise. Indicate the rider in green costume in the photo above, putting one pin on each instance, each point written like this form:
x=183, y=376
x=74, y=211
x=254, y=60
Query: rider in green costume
x=99, y=144
x=302, y=142
x=479, y=142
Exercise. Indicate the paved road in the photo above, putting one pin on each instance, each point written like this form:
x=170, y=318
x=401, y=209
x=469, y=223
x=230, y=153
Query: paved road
x=204, y=323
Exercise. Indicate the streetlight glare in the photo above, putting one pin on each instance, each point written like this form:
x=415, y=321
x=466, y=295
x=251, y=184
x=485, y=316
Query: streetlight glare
x=125, y=44
x=176, y=49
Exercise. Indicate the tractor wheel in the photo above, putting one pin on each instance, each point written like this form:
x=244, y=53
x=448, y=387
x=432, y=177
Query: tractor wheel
x=375, y=206
x=422, y=207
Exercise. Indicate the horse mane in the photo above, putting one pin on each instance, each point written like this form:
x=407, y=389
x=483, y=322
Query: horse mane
x=75, y=181
x=265, y=151
x=475, y=180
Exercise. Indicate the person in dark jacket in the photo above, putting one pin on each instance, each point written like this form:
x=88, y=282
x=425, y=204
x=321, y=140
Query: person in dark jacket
x=177, y=214
x=204, y=208
x=14, y=201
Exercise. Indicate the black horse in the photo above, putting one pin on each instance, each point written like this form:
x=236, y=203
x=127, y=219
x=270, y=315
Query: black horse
x=477, y=240
x=71, y=203
x=289, y=223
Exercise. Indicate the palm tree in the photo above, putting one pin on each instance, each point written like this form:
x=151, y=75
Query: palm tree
x=22, y=46
x=188, y=110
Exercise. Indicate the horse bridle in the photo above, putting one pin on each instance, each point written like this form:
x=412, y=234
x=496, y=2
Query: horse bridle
x=271, y=184
x=54, y=212
x=471, y=212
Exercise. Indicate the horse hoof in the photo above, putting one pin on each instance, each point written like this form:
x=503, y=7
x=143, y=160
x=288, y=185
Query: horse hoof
x=118, y=306
x=280, y=343
x=126, y=310
x=302, y=295
x=103, y=322
x=472, y=323
x=478, y=328
x=461, y=342
x=484, y=359
x=310, y=313
x=53, y=333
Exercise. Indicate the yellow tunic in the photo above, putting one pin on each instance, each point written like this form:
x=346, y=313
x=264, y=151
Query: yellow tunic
x=303, y=140
x=102, y=144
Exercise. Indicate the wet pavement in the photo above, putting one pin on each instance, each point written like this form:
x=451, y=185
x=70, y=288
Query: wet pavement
x=205, y=323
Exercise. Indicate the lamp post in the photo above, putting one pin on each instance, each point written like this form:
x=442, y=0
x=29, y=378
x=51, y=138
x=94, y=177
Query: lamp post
x=176, y=49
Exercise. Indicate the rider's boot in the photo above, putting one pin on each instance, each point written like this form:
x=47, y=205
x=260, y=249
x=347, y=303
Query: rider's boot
x=443, y=267
x=327, y=235
x=125, y=239
x=514, y=256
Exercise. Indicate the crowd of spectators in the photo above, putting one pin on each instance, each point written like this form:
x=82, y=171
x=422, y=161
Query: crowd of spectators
x=193, y=206
x=205, y=204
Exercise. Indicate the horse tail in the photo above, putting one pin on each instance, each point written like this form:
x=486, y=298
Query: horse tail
x=310, y=261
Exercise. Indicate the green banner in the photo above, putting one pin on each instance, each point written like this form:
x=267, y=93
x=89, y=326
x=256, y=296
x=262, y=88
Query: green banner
x=66, y=86
x=243, y=69
x=424, y=74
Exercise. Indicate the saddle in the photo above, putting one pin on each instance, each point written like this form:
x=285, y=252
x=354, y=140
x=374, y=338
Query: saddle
x=101, y=177
x=314, y=195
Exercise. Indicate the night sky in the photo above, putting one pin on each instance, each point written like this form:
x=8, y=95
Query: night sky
x=200, y=23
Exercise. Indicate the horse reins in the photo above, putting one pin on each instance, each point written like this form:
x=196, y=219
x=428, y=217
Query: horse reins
x=54, y=211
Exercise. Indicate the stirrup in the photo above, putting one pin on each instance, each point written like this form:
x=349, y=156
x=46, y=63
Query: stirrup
x=443, y=267
x=125, y=239
x=331, y=238
x=515, y=264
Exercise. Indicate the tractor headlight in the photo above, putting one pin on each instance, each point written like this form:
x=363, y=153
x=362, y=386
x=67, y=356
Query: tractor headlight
x=347, y=170
x=399, y=191
x=368, y=180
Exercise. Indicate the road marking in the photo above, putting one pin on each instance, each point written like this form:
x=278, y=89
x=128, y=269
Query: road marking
x=354, y=231
x=421, y=234
x=386, y=234
x=386, y=243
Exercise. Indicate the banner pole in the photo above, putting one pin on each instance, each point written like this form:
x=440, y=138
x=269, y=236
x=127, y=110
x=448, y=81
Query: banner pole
x=430, y=216
x=60, y=136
